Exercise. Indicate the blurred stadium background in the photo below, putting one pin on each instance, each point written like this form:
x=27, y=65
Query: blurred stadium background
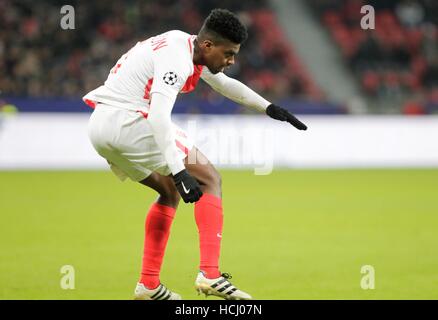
x=370, y=98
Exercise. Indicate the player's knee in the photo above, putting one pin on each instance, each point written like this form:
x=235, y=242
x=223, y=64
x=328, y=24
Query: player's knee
x=170, y=194
x=171, y=201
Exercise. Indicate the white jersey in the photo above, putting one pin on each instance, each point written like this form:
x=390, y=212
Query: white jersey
x=163, y=63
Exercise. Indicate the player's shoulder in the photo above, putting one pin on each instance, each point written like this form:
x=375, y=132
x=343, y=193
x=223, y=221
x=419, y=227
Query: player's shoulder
x=174, y=41
x=174, y=47
x=178, y=38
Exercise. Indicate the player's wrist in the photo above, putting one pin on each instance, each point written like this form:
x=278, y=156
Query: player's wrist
x=273, y=110
x=272, y=107
x=179, y=176
x=176, y=166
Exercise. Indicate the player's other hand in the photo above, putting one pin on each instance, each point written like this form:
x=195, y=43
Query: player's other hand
x=279, y=113
x=187, y=186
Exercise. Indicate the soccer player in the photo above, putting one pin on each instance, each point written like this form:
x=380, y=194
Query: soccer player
x=131, y=128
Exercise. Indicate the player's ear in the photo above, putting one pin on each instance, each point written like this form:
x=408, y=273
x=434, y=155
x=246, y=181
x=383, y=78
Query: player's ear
x=207, y=44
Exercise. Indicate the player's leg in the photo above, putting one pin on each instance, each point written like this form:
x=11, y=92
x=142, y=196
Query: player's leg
x=209, y=219
x=157, y=230
x=208, y=211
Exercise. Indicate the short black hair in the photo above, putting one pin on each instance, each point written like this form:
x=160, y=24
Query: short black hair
x=224, y=23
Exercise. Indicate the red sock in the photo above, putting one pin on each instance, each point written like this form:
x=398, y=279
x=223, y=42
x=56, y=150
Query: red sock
x=209, y=218
x=157, y=230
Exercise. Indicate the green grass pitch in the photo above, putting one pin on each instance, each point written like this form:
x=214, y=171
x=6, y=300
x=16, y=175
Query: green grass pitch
x=294, y=234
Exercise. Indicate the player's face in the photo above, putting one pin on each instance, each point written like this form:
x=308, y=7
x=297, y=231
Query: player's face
x=220, y=56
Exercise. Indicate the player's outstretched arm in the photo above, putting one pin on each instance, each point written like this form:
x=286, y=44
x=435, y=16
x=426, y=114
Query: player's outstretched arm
x=242, y=94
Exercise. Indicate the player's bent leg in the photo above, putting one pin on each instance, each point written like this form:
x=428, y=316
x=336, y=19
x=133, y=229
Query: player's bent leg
x=209, y=219
x=157, y=230
x=208, y=211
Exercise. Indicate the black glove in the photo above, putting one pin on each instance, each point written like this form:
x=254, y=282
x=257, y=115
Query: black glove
x=279, y=113
x=187, y=186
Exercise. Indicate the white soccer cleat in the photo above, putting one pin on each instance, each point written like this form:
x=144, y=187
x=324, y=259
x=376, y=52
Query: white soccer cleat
x=159, y=293
x=219, y=287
